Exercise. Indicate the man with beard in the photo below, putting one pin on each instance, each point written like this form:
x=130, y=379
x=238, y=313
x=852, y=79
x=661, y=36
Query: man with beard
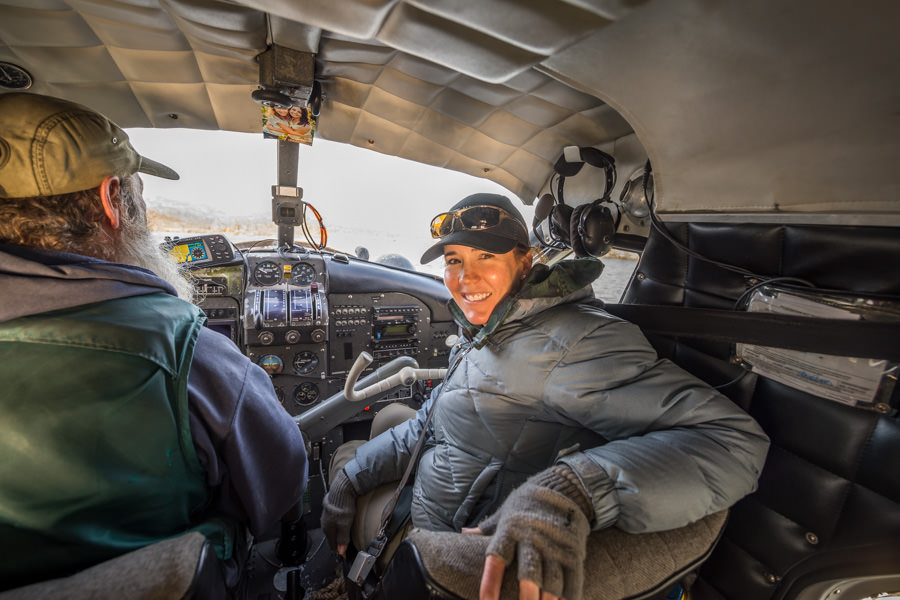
x=124, y=420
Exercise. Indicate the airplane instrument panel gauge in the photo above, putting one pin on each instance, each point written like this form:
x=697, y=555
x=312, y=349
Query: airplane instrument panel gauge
x=267, y=273
x=305, y=363
x=303, y=274
x=306, y=394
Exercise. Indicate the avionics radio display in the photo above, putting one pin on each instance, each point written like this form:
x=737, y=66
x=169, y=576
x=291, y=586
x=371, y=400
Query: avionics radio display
x=394, y=330
x=226, y=328
x=190, y=252
x=224, y=320
x=204, y=250
x=392, y=322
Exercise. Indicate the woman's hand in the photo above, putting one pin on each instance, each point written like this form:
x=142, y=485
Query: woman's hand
x=492, y=578
x=543, y=525
x=338, y=511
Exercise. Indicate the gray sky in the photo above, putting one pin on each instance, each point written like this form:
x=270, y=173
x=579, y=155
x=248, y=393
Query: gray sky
x=365, y=198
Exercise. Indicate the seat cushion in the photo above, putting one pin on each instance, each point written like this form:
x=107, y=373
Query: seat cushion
x=618, y=565
x=166, y=569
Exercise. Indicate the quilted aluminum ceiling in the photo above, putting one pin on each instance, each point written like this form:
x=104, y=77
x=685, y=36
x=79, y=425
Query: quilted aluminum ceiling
x=457, y=84
x=749, y=108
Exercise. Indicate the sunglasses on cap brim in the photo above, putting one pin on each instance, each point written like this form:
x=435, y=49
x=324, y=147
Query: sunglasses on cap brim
x=470, y=218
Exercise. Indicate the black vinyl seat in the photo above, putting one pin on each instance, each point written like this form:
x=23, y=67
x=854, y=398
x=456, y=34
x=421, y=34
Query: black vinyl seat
x=828, y=503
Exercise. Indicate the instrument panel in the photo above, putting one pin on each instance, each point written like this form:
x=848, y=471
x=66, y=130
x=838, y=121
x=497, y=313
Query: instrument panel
x=304, y=317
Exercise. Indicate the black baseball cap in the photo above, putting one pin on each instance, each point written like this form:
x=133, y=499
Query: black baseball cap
x=500, y=239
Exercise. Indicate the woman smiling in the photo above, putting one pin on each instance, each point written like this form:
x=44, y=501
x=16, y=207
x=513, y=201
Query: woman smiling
x=555, y=418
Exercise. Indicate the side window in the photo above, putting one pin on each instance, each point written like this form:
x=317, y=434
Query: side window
x=618, y=268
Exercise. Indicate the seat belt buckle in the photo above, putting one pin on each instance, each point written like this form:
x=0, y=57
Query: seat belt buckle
x=361, y=567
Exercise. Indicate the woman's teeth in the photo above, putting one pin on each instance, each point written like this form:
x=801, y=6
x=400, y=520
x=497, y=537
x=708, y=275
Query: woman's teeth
x=476, y=297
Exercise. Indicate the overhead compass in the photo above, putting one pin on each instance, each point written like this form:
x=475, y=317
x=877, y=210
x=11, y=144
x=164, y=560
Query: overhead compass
x=14, y=77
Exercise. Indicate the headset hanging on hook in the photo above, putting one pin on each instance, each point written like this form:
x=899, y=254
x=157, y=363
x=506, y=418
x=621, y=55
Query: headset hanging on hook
x=587, y=229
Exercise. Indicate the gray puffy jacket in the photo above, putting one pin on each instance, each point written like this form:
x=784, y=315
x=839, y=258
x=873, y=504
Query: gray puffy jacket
x=554, y=378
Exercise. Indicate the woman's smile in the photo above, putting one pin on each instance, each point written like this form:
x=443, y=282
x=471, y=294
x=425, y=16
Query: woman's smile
x=475, y=297
x=479, y=280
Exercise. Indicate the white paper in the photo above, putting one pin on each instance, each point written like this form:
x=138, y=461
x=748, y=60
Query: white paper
x=841, y=379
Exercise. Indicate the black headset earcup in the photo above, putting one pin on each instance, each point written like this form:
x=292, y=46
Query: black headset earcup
x=576, y=236
x=542, y=209
x=597, y=228
x=560, y=217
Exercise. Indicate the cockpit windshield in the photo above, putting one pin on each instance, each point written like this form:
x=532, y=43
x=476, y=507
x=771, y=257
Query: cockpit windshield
x=372, y=205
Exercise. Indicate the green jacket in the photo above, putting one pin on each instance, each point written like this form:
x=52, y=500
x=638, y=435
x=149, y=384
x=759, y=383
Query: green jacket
x=96, y=455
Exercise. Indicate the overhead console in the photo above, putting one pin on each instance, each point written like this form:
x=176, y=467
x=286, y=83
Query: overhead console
x=305, y=316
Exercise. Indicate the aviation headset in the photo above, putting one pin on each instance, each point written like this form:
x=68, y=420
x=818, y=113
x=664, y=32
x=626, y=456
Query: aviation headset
x=588, y=228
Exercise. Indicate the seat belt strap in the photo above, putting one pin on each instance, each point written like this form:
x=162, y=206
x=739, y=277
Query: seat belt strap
x=838, y=337
x=365, y=559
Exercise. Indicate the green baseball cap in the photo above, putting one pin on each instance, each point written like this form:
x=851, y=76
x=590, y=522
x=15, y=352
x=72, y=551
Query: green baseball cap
x=50, y=146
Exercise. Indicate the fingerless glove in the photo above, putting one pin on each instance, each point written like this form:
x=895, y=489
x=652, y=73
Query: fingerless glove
x=338, y=510
x=544, y=524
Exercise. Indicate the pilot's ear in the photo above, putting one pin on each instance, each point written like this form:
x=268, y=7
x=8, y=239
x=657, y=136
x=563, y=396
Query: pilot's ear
x=109, y=195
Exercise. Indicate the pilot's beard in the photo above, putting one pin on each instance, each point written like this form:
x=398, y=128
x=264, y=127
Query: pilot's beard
x=135, y=246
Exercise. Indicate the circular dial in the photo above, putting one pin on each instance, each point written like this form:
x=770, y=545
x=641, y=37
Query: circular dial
x=14, y=77
x=303, y=274
x=267, y=273
x=271, y=364
x=306, y=394
x=305, y=362
x=198, y=252
x=279, y=393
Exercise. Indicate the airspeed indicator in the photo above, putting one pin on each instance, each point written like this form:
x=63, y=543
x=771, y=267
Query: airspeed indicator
x=267, y=273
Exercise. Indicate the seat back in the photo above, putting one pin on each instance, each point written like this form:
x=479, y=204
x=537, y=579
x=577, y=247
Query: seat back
x=828, y=503
x=185, y=567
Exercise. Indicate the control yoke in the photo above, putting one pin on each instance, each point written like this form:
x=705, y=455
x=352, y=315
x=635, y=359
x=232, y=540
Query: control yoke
x=406, y=376
x=402, y=371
